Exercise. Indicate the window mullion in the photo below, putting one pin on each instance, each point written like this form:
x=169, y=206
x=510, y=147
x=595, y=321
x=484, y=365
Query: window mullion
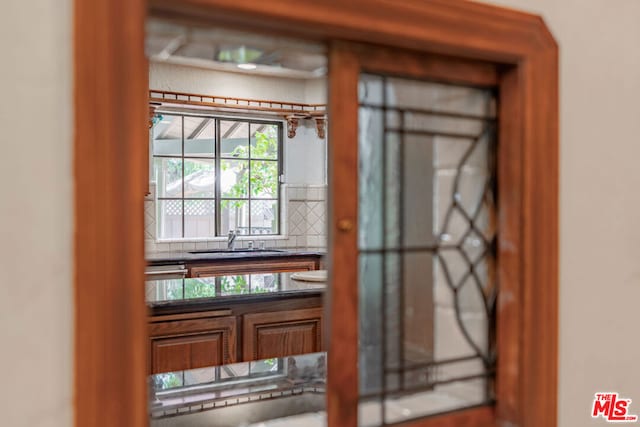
x=280, y=173
x=182, y=153
x=249, y=178
x=218, y=186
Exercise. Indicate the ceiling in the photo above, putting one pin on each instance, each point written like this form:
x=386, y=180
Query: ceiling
x=222, y=49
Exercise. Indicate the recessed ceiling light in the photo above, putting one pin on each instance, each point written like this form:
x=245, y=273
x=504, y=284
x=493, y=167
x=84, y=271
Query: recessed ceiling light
x=247, y=66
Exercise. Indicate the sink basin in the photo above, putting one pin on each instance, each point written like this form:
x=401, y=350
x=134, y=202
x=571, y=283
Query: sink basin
x=236, y=251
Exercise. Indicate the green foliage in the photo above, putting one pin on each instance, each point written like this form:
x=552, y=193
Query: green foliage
x=199, y=288
x=168, y=381
x=234, y=285
x=264, y=174
x=238, y=285
x=193, y=288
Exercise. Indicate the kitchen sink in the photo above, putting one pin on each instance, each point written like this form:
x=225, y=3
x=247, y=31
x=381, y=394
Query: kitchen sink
x=235, y=251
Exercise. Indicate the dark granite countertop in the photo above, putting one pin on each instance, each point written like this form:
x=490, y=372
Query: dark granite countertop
x=239, y=394
x=161, y=258
x=212, y=292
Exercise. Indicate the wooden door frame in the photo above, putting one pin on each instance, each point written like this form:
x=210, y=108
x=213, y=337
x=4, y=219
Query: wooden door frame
x=110, y=76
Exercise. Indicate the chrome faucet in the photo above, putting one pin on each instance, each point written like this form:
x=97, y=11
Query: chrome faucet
x=231, y=241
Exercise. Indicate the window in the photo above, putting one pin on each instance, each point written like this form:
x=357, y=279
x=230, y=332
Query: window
x=216, y=174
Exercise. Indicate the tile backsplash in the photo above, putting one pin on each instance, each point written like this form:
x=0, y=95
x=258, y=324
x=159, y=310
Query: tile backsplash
x=304, y=227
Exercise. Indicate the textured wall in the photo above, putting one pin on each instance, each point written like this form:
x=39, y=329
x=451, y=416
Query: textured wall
x=599, y=199
x=36, y=209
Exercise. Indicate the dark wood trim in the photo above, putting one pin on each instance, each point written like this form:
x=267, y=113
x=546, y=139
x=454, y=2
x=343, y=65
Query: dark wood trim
x=342, y=294
x=110, y=183
x=510, y=182
x=186, y=316
x=110, y=139
x=539, y=249
x=458, y=28
x=432, y=67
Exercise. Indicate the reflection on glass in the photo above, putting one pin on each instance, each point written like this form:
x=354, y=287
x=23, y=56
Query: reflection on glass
x=199, y=287
x=199, y=136
x=171, y=290
x=165, y=289
x=370, y=308
x=370, y=182
x=234, y=216
x=234, y=285
x=264, y=141
x=234, y=137
x=265, y=366
x=234, y=178
x=169, y=218
x=168, y=173
x=300, y=380
x=264, y=217
x=168, y=380
x=426, y=231
x=264, y=282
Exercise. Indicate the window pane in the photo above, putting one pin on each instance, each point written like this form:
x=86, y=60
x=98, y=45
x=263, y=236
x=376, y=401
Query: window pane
x=234, y=216
x=168, y=173
x=199, y=178
x=264, y=216
x=199, y=136
x=191, y=174
x=199, y=218
x=167, y=136
x=169, y=219
x=264, y=141
x=235, y=139
x=264, y=179
x=234, y=178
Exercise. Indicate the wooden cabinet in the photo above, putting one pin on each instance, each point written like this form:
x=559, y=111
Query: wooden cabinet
x=192, y=343
x=242, y=332
x=275, y=265
x=282, y=333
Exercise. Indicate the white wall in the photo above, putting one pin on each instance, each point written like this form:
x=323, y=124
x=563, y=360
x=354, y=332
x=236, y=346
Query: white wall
x=36, y=209
x=599, y=199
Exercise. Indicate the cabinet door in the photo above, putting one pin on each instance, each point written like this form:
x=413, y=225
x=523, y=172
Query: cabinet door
x=282, y=333
x=191, y=344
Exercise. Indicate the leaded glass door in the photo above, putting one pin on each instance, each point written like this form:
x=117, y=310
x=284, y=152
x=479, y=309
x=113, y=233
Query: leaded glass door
x=424, y=231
